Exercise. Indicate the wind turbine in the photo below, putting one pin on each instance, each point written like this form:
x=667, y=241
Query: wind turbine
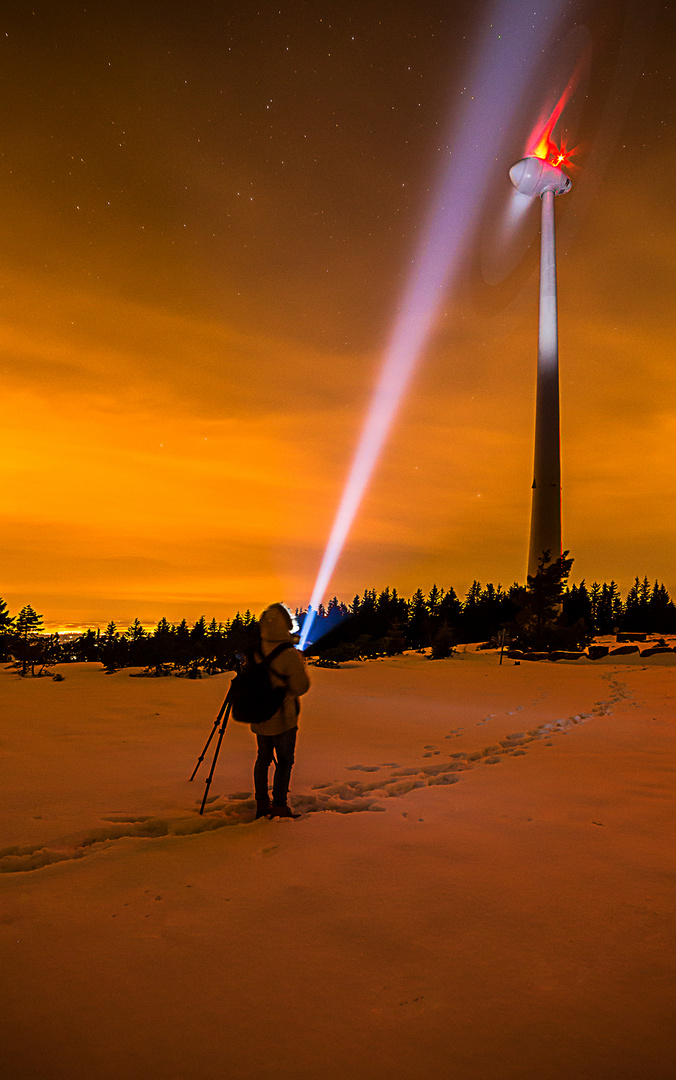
x=535, y=176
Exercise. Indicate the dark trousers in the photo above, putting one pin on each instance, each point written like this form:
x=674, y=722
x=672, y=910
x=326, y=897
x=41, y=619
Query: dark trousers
x=284, y=746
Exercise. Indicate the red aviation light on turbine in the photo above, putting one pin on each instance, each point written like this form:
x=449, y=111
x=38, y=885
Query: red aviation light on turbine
x=533, y=176
x=561, y=156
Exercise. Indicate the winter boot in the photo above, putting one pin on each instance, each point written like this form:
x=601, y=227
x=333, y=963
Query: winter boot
x=283, y=811
x=263, y=808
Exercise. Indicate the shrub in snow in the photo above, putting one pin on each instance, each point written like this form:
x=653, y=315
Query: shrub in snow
x=443, y=643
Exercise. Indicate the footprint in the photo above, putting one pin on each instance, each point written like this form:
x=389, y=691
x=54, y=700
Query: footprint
x=126, y=819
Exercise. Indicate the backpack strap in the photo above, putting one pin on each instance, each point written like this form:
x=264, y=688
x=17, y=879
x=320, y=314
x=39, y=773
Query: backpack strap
x=267, y=660
x=276, y=651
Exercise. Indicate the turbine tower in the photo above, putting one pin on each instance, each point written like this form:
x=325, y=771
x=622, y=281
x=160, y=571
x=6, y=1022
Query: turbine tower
x=533, y=176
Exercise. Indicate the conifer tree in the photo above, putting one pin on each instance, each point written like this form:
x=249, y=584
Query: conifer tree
x=594, y=598
x=161, y=646
x=661, y=611
x=27, y=624
x=5, y=618
x=471, y=629
x=134, y=633
x=109, y=649
x=577, y=605
x=450, y=609
x=635, y=610
x=85, y=648
x=473, y=594
x=540, y=622
x=434, y=600
x=418, y=621
x=6, y=624
x=198, y=645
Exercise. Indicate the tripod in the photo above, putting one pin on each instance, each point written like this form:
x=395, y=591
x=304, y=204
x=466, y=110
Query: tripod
x=222, y=719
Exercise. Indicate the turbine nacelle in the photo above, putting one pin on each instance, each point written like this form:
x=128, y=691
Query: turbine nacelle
x=533, y=176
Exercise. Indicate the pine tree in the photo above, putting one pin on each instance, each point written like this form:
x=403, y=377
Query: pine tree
x=47, y=651
x=540, y=622
x=470, y=623
x=577, y=605
x=110, y=649
x=450, y=609
x=473, y=595
x=434, y=600
x=27, y=624
x=418, y=621
x=661, y=611
x=6, y=625
x=28, y=621
x=594, y=598
x=6, y=620
x=134, y=632
x=633, y=614
x=609, y=610
x=161, y=646
x=85, y=648
x=368, y=600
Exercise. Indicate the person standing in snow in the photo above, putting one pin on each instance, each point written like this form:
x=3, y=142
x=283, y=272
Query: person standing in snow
x=278, y=734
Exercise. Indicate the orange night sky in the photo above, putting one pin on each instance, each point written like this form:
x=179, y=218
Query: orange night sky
x=207, y=217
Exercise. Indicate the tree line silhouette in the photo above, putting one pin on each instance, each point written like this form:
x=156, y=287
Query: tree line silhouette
x=546, y=613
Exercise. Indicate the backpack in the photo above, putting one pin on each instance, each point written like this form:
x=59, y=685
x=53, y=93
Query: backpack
x=252, y=696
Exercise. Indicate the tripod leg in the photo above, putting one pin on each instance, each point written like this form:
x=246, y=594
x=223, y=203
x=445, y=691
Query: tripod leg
x=206, y=745
x=228, y=706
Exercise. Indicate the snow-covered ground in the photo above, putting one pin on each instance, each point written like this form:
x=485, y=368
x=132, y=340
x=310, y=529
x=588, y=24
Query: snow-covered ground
x=481, y=885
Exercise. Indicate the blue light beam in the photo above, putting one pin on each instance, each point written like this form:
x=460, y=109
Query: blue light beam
x=510, y=47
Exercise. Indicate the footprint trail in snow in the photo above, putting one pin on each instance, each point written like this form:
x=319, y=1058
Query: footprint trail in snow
x=343, y=797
